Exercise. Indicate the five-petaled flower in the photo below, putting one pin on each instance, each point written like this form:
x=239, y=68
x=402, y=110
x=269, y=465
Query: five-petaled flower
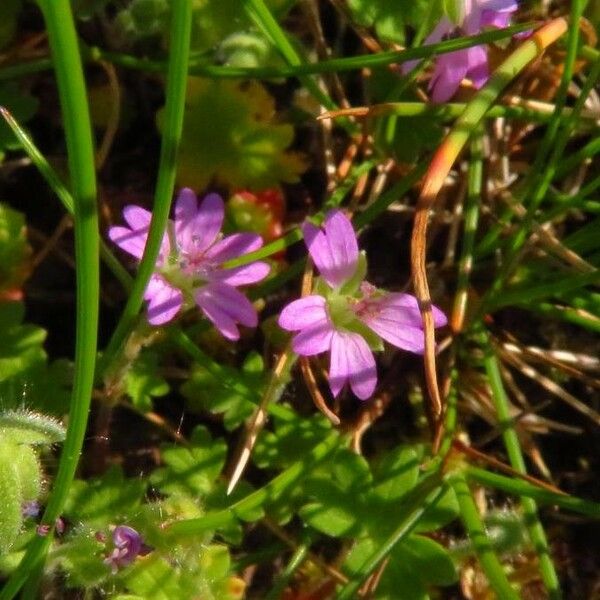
x=189, y=268
x=128, y=545
x=469, y=63
x=348, y=316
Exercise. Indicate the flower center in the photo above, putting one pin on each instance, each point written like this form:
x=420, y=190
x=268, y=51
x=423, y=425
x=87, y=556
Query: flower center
x=340, y=309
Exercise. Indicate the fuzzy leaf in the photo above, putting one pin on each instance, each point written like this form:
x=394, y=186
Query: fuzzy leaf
x=26, y=427
x=81, y=557
x=11, y=518
x=27, y=464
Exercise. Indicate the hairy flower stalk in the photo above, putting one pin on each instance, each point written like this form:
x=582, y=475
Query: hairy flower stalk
x=189, y=268
x=473, y=16
x=346, y=315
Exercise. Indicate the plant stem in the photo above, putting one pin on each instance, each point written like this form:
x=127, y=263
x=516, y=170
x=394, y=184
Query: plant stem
x=181, y=23
x=75, y=112
x=491, y=565
x=513, y=448
x=511, y=485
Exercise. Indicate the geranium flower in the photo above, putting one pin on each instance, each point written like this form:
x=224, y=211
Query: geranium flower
x=128, y=545
x=189, y=268
x=347, y=316
x=470, y=63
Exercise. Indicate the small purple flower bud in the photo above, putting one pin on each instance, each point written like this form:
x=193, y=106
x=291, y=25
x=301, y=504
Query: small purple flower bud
x=30, y=509
x=59, y=526
x=128, y=546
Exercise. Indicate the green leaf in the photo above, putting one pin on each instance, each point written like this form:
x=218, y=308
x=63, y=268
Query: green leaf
x=339, y=490
x=338, y=517
x=204, y=391
x=21, y=104
x=232, y=137
x=427, y=560
x=400, y=581
x=81, y=557
x=107, y=499
x=27, y=427
x=143, y=383
x=20, y=345
x=191, y=470
x=412, y=567
x=154, y=578
x=396, y=474
x=9, y=13
x=15, y=252
x=289, y=442
x=440, y=514
x=390, y=18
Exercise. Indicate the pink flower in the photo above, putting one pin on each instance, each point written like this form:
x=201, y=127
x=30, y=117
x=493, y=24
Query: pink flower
x=470, y=63
x=348, y=316
x=189, y=266
x=128, y=545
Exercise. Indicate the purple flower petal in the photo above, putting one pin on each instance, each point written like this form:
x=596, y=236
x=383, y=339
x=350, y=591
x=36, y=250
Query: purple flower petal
x=219, y=318
x=477, y=66
x=225, y=306
x=406, y=307
x=335, y=251
x=164, y=300
x=318, y=248
x=488, y=13
x=397, y=319
x=351, y=359
x=450, y=70
x=137, y=217
x=363, y=373
x=494, y=18
x=401, y=336
x=132, y=242
x=186, y=213
x=233, y=246
x=303, y=313
x=243, y=275
x=342, y=243
x=314, y=339
x=208, y=223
